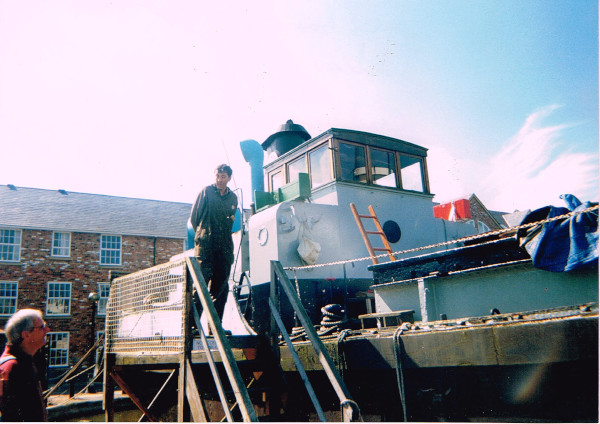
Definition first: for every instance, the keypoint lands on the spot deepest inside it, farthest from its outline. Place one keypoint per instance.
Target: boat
(445, 324)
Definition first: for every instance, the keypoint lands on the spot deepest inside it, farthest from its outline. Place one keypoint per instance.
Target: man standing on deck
(212, 219)
(20, 389)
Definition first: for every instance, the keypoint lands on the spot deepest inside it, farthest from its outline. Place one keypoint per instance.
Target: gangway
(155, 339)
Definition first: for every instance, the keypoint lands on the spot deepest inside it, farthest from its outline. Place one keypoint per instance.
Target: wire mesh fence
(145, 311)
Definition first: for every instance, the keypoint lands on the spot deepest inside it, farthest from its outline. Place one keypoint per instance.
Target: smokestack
(290, 135)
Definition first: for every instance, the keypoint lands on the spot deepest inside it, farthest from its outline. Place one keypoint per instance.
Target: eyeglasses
(39, 326)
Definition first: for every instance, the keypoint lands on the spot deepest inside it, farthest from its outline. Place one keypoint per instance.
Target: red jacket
(21, 391)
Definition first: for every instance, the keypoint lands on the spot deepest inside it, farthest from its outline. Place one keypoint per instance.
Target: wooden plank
(191, 390)
(517, 343)
(548, 341)
(137, 401)
(181, 386)
(108, 401)
(187, 348)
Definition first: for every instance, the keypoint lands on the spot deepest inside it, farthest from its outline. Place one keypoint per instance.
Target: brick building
(58, 247)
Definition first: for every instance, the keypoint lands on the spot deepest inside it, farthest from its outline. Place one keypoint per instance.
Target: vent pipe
(254, 155)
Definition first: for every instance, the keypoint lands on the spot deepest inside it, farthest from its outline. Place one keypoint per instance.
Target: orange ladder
(365, 234)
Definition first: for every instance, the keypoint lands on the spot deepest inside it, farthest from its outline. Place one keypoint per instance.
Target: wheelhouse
(354, 157)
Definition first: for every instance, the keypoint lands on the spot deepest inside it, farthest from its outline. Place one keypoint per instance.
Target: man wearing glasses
(20, 388)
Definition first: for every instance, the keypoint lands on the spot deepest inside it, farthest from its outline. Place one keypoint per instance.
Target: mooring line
(447, 243)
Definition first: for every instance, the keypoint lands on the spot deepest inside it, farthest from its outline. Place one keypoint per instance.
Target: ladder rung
(367, 216)
(379, 233)
(382, 249)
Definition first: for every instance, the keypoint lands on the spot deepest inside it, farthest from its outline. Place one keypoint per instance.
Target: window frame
(15, 298)
(110, 249)
(339, 162)
(331, 169)
(53, 350)
(276, 173)
(422, 171)
(395, 161)
(58, 298)
(398, 154)
(102, 287)
(53, 247)
(290, 166)
(16, 246)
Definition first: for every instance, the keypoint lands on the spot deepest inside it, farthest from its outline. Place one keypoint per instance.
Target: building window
(10, 245)
(411, 173)
(58, 349)
(8, 297)
(383, 168)
(110, 250)
(61, 245)
(296, 167)
(59, 299)
(103, 291)
(353, 164)
(320, 166)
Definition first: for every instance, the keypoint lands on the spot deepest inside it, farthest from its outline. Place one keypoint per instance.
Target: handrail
(229, 363)
(350, 411)
(212, 365)
(301, 371)
(74, 368)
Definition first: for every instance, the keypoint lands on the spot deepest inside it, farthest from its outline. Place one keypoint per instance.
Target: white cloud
(531, 170)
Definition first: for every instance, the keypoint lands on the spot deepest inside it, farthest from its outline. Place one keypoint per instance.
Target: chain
(447, 243)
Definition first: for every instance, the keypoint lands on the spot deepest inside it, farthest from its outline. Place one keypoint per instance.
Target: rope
(399, 369)
(447, 243)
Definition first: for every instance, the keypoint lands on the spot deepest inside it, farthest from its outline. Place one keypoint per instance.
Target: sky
(144, 98)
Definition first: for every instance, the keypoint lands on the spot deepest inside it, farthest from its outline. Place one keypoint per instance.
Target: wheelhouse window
(296, 167)
(353, 164)
(276, 180)
(411, 172)
(59, 299)
(320, 166)
(103, 291)
(383, 168)
(110, 250)
(58, 349)
(8, 297)
(61, 245)
(10, 245)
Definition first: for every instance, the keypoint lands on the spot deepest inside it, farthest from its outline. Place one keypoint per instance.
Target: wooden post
(187, 348)
(109, 388)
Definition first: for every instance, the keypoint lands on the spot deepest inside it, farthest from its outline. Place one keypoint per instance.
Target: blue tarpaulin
(566, 244)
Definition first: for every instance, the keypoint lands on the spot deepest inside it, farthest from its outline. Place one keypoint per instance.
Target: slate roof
(59, 210)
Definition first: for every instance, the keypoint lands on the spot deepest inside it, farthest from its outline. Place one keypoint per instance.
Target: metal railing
(279, 279)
